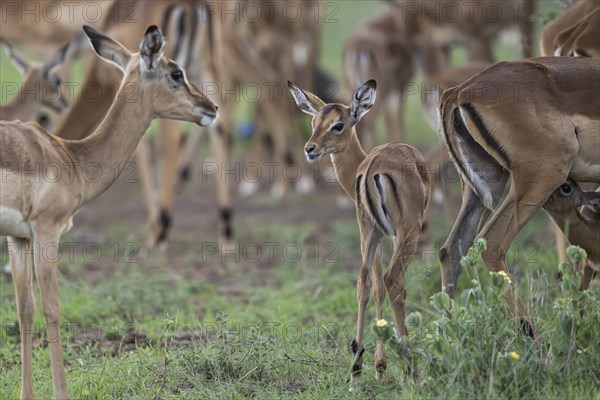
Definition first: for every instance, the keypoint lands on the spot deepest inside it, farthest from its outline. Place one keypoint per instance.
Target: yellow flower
(514, 355)
(381, 323)
(505, 276)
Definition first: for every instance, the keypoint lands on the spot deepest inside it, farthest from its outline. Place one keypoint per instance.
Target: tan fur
(564, 23)
(37, 89)
(581, 228)
(290, 51)
(46, 206)
(532, 121)
(570, 31)
(382, 50)
(43, 28)
(583, 38)
(439, 164)
(369, 180)
(205, 64)
(472, 26)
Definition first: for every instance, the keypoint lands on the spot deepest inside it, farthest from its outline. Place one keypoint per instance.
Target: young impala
(390, 187)
(35, 212)
(582, 228)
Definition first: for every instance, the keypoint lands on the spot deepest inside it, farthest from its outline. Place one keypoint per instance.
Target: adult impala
(34, 213)
(439, 164)
(541, 127)
(390, 188)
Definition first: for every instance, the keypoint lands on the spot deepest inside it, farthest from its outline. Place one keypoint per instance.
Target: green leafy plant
(473, 345)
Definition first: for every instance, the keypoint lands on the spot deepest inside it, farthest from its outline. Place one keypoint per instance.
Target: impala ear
(363, 100)
(56, 61)
(152, 47)
(17, 59)
(306, 101)
(107, 48)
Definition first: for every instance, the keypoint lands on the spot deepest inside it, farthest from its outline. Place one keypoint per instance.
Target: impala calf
(390, 188)
(582, 228)
(41, 86)
(565, 24)
(582, 39)
(34, 213)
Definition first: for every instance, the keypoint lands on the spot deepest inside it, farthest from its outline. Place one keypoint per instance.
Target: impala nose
(309, 149)
(207, 119)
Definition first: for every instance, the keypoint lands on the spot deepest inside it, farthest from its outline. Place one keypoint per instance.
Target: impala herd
(539, 131)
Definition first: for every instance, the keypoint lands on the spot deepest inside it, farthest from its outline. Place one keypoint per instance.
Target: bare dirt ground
(117, 219)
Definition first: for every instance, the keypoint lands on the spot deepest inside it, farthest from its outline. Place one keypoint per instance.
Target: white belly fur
(12, 223)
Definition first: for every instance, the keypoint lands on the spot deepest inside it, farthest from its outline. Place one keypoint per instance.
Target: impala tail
(460, 125)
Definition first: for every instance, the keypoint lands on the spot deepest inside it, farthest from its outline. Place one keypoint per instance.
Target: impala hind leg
(395, 282)
(220, 134)
(464, 230)
(169, 145)
(189, 152)
(522, 202)
(369, 241)
(21, 262)
(394, 116)
(147, 179)
(472, 212)
(379, 298)
(281, 142)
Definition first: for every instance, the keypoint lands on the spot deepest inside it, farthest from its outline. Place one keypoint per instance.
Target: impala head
(159, 81)
(569, 196)
(41, 81)
(333, 124)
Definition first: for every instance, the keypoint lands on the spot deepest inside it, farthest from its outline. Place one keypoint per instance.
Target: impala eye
(177, 75)
(338, 127)
(566, 189)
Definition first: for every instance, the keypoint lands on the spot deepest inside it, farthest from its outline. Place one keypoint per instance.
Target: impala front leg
(46, 273)
(521, 203)
(21, 263)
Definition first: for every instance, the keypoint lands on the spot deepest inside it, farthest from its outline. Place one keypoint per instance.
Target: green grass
(281, 330)
(290, 340)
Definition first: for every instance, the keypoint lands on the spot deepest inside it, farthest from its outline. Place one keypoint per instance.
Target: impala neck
(103, 155)
(346, 164)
